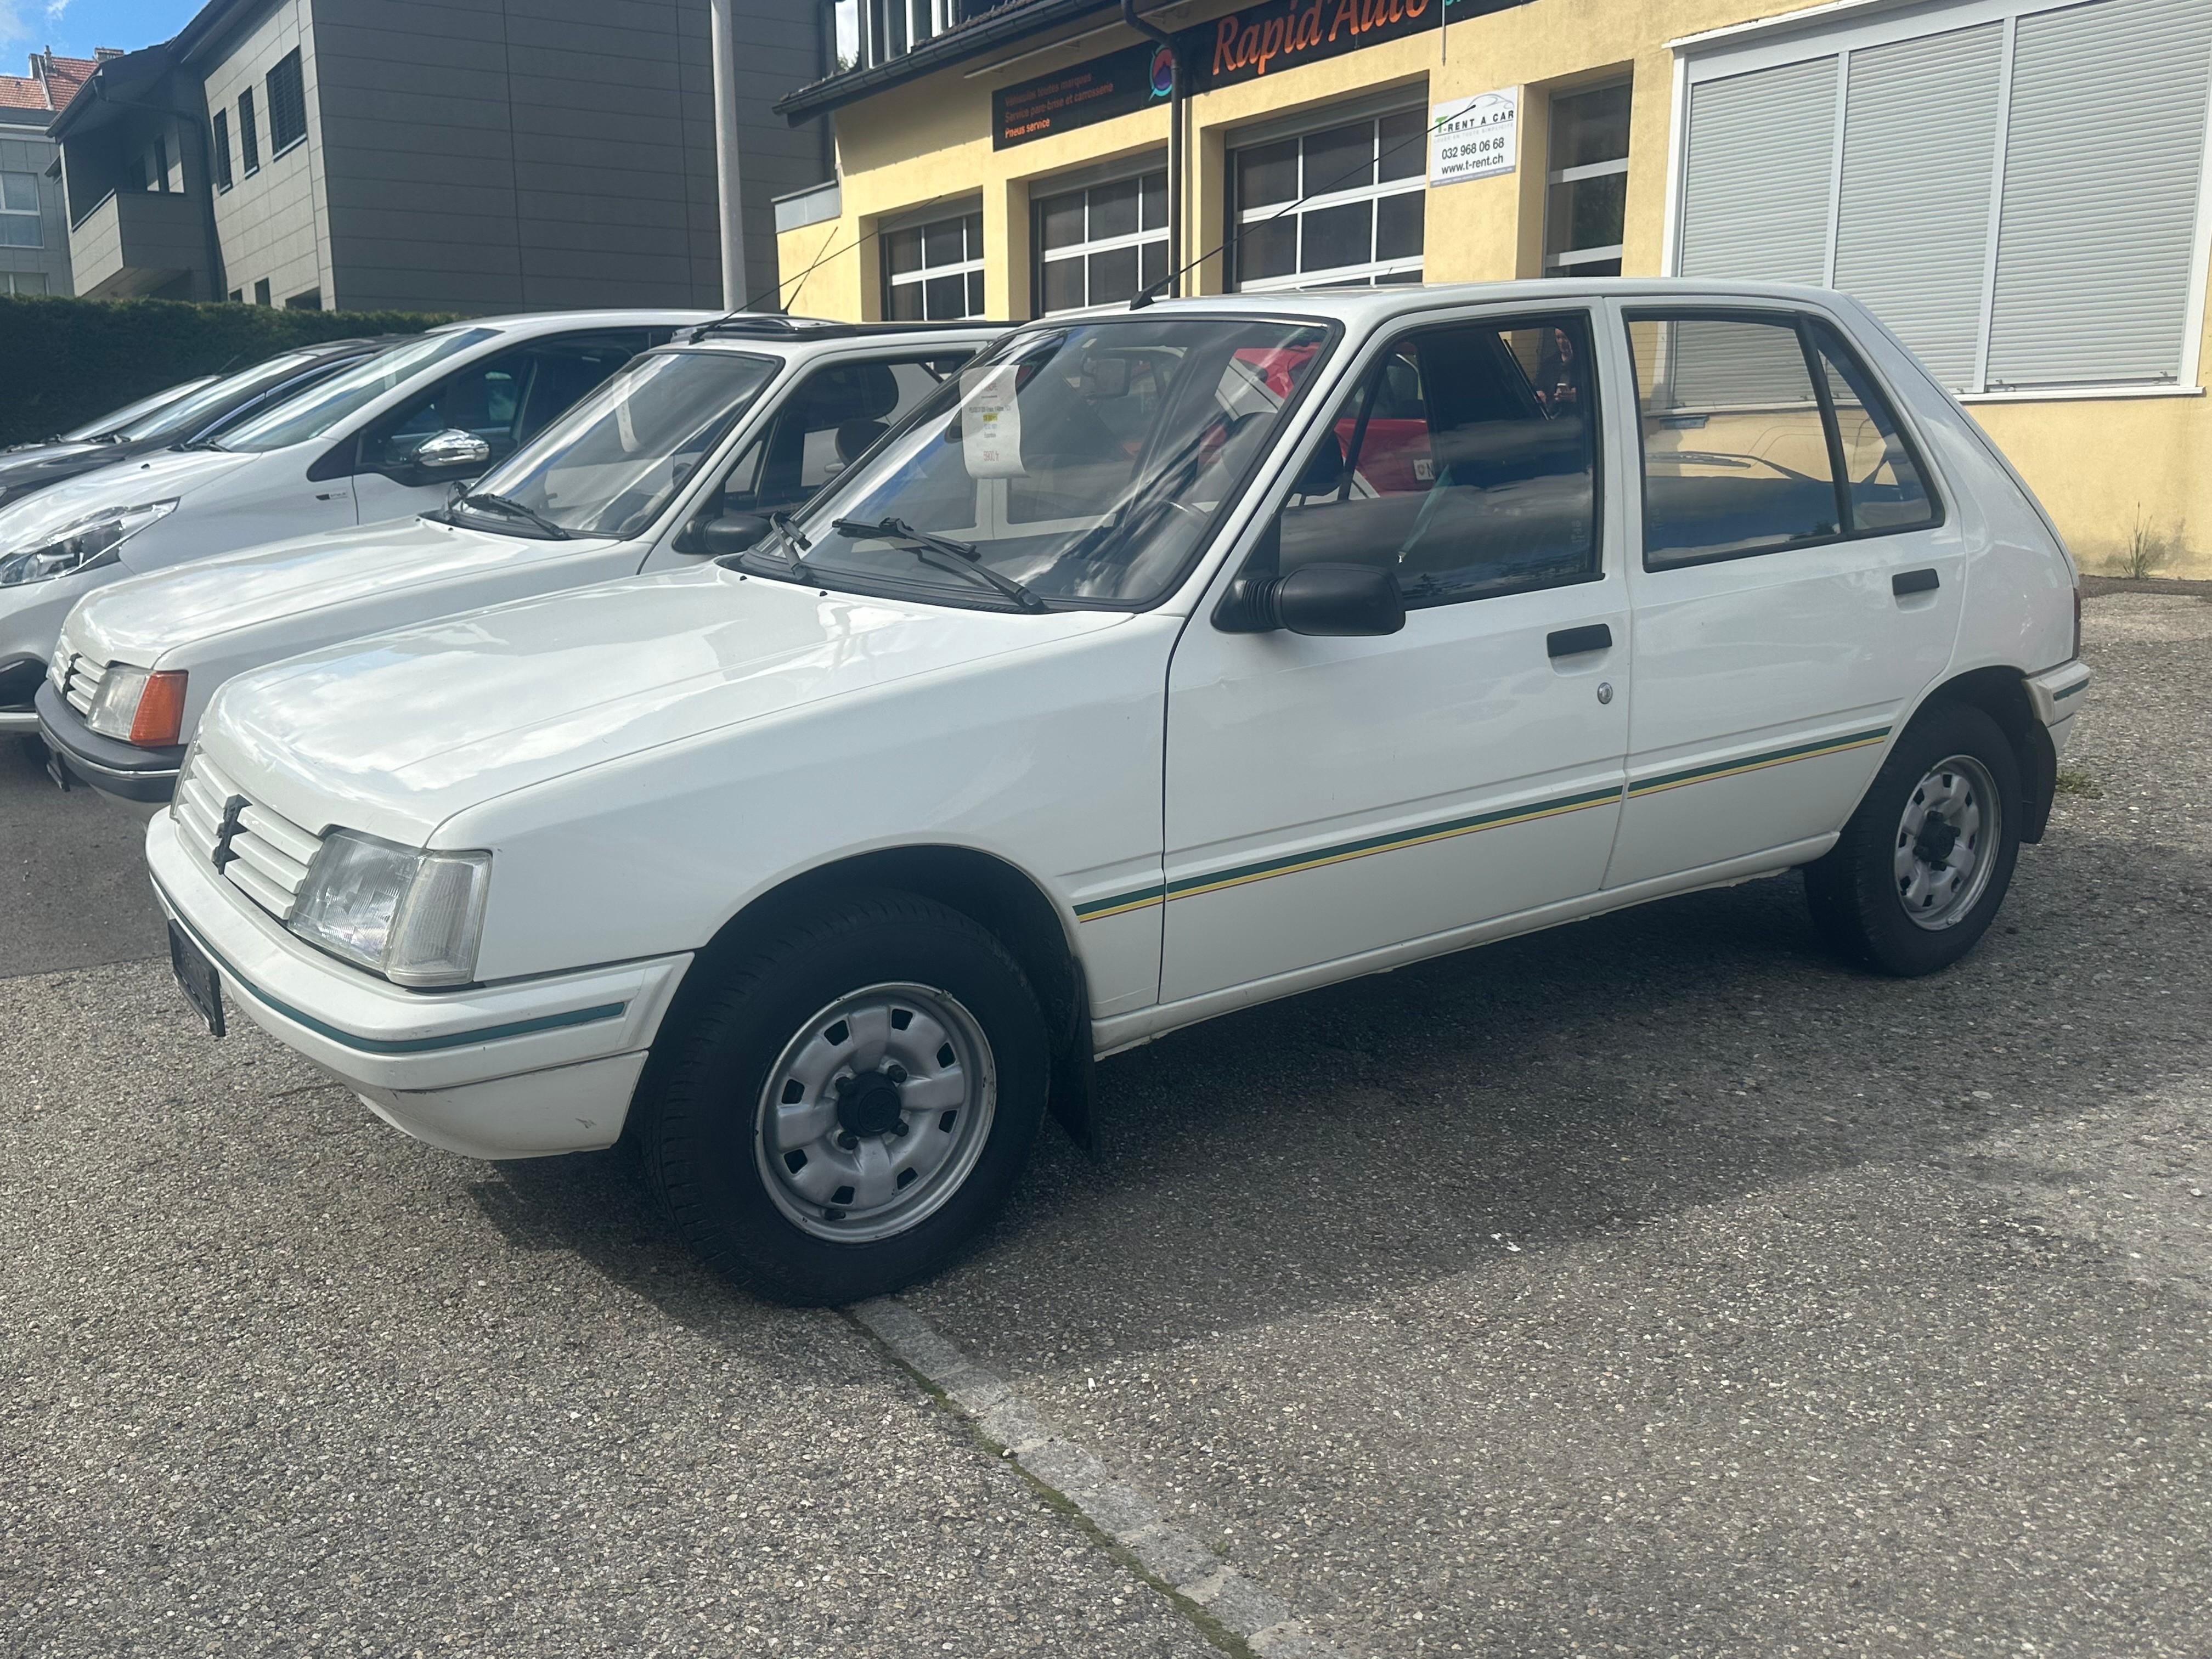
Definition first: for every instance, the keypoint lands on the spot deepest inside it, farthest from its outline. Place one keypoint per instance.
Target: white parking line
(1170, 1557)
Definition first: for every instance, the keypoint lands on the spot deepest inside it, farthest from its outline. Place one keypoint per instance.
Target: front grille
(76, 677)
(262, 853)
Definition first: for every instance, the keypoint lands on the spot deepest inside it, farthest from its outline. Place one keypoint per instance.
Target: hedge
(64, 362)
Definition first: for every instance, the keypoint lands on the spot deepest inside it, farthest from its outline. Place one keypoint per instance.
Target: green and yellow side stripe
(1758, 763)
(1143, 898)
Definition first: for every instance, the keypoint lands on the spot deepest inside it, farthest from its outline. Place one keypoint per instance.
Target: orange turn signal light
(161, 714)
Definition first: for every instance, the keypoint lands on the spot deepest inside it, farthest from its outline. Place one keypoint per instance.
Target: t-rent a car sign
(1472, 138)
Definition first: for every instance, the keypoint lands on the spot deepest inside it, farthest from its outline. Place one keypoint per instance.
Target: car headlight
(138, 705)
(86, 545)
(414, 916)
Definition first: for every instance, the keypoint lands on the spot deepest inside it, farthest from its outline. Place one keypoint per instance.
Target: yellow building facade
(2045, 252)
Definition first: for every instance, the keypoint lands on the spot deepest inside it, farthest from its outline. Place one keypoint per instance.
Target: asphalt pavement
(1650, 1287)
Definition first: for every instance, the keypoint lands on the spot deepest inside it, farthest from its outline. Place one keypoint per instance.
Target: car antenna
(1151, 290)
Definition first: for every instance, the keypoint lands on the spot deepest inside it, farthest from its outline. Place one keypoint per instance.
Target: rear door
(1798, 585)
(1328, 798)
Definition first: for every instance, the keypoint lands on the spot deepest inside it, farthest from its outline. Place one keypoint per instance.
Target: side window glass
(1466, 461)
(1735, 453)
(830, 419)
(1883, 485)
(506, 400)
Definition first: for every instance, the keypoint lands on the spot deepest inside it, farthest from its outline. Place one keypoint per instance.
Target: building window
(288, 105)
(23, 281)
(237, 296)
(934, 272)
(1921, 170)
(1099, 246)
(1360, 190)
(19, 211)
(311, 301)
(160, 167)
(222, 180)
(261, 292)
(1588, 182)
(891, 28)
(249, 134)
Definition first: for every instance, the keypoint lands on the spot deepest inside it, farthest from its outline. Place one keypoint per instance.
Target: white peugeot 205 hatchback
(1163, 662)
(756, 412)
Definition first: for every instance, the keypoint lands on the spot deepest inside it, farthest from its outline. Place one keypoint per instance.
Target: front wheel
(848, 1103)
(1917, 875)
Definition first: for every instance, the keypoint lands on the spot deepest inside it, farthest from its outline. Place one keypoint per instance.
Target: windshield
(1086, 462)
(189, 413)
(116, 419)
(608, 465)
(313, 412)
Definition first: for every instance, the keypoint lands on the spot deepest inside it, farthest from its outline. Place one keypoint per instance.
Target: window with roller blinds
(2016, 198)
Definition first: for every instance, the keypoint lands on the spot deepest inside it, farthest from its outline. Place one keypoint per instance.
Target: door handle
(1572, 641)
(1914, 581)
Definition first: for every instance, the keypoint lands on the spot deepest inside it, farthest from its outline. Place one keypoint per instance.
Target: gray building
(34, 250)
(464, 155)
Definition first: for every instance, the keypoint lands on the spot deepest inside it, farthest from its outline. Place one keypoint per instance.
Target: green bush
(64, 362)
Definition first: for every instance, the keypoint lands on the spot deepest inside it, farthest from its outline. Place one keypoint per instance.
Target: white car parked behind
(674, 457)
(383, 440)
(1165, 662)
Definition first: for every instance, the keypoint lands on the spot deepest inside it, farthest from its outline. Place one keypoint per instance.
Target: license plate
(196, 975)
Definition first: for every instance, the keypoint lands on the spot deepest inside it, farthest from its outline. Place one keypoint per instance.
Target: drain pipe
(1153, 30)
(724, 48)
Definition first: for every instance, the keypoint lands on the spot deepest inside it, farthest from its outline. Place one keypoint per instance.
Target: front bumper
(146, 776)
(526, 1068)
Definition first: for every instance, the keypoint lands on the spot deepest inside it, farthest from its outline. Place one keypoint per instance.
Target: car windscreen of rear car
(1087, 461)
(607, 467)
(136, 409)
(313, 413)
(182, 418)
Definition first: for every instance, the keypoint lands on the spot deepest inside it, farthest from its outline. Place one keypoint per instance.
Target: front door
(507, 399)
(1328, 798)
(1798, 586)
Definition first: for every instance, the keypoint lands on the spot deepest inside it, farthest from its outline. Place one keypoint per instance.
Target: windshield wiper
(968, 562)
(515, 509)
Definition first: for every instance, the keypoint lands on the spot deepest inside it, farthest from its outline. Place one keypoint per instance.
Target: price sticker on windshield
(991, 423)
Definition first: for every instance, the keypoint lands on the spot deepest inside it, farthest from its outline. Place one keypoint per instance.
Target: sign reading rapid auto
(1262, 39)
(1248, 43)
(1119, 83)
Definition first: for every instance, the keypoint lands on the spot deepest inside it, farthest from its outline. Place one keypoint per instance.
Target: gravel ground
(72, 877)
(1648, 1287)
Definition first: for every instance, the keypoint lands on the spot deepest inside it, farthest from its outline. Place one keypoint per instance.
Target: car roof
(1371, 305)
(557, 322)
(805, 341)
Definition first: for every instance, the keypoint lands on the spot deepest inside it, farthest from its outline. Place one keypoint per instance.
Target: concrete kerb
(1238, 1614)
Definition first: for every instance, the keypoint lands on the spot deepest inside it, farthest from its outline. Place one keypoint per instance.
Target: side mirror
(450, 451)
(1329, 601)
(733, 532)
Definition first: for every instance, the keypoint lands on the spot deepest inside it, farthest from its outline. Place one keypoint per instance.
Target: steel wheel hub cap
(1946, 841)
(875, 1113)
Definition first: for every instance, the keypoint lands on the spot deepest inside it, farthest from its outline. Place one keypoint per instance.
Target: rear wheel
(1920, 870)
(848, 1103)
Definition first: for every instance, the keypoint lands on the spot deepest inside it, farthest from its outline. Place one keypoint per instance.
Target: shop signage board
(1250, 42)
(1119, 83)
(1474, 137)
(1265, 40)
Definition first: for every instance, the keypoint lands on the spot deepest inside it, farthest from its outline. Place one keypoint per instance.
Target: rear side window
(1762, 434)
(1465, 460)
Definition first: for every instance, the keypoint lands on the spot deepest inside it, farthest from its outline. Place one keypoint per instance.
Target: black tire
(1855, 890)
(698, 1120)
